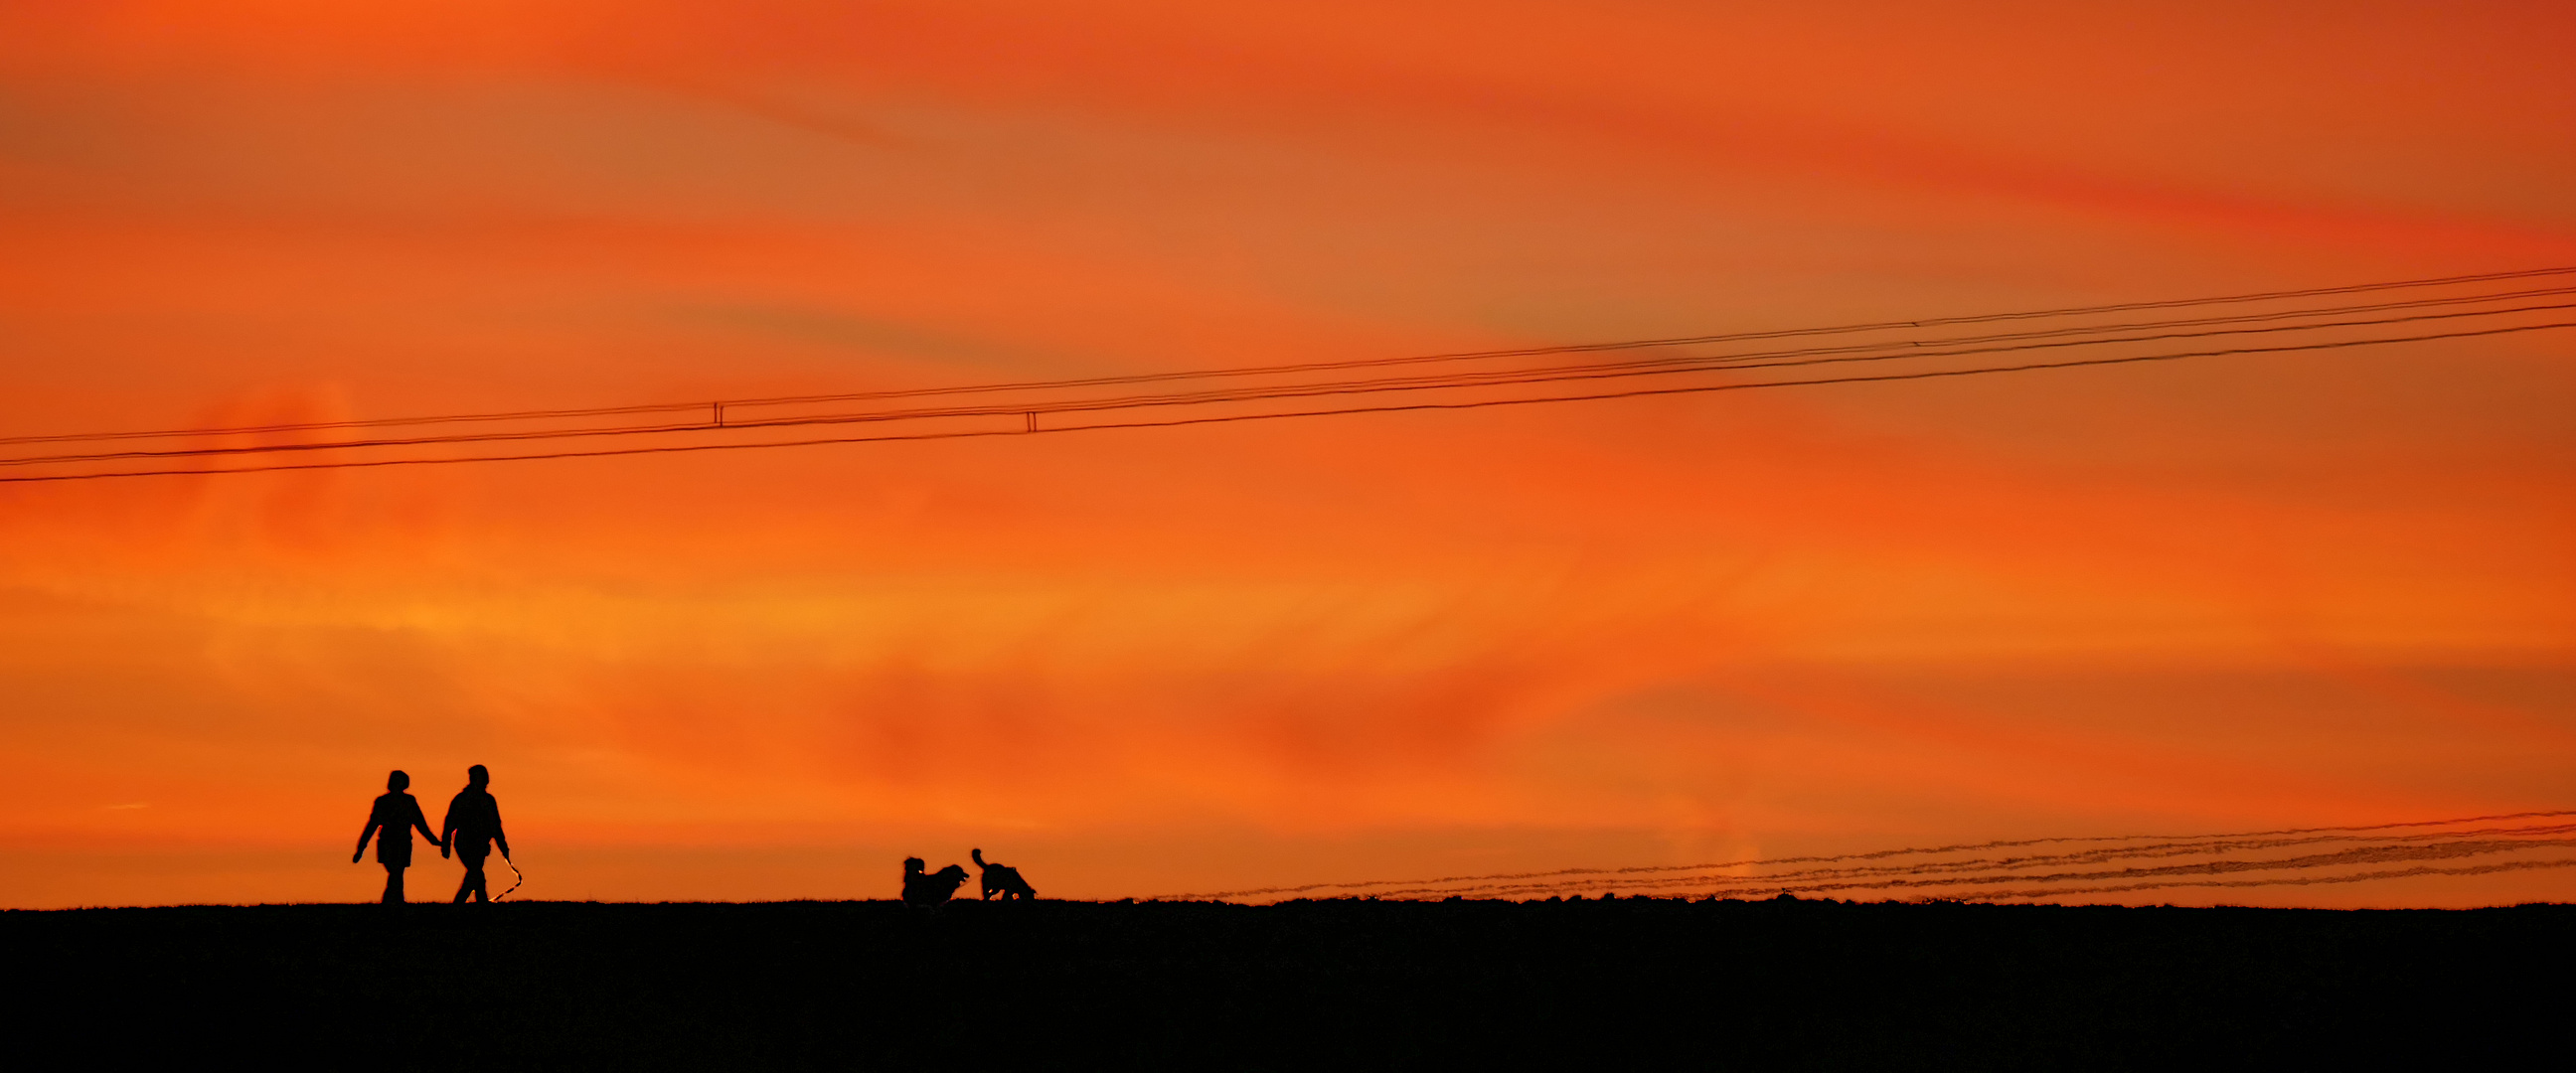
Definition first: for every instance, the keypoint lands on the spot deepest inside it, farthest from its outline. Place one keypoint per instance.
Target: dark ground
(1309, 985)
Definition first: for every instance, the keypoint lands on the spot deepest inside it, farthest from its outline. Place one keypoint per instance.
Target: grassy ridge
(1302, 985)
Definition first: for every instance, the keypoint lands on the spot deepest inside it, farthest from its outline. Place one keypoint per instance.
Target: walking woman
(396, 813)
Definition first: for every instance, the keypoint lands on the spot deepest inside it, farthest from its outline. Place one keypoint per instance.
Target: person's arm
(422, 822)
(363, 836)
(447, 828)
(497, 835)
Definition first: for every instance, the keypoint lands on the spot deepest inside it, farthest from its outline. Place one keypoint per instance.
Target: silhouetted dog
(1001, 879)
(929, 891)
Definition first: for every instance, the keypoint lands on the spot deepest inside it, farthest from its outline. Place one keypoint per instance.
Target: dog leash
(514, 870)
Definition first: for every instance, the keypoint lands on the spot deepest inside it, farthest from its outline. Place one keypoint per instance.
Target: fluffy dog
(929, 891)
(1002, 879)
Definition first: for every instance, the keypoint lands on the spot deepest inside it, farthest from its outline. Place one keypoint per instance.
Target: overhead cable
(1572, 348)
(1045, 406)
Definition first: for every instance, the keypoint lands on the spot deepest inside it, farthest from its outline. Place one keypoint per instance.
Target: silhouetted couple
(473, 826)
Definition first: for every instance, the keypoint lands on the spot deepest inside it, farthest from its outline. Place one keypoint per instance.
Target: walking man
(396, 813)
(473, 825)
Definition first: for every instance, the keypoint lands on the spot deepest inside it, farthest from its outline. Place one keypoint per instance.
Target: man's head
(477, 777)
(397, 782)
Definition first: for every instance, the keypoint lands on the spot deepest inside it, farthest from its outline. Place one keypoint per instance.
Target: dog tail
(979, 857)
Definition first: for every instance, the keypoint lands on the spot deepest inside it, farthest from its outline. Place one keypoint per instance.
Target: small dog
(929, 891)
(1002, 879)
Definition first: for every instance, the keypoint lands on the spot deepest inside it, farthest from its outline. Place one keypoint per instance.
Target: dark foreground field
(1307, 985)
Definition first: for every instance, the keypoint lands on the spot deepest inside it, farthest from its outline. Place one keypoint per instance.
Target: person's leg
(393, 883)
(472, 888)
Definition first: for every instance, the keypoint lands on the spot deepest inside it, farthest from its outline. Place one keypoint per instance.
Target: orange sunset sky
(2282, 590)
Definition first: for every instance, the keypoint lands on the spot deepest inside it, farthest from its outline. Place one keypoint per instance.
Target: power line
(1338, 411)
(2219, 858)
(1642, 367)
(2130, 862)
(1912, 350)
(716, 405)
(1963, 847)
(1984, 887)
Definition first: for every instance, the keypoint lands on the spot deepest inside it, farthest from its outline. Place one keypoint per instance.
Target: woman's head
(397, 782)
